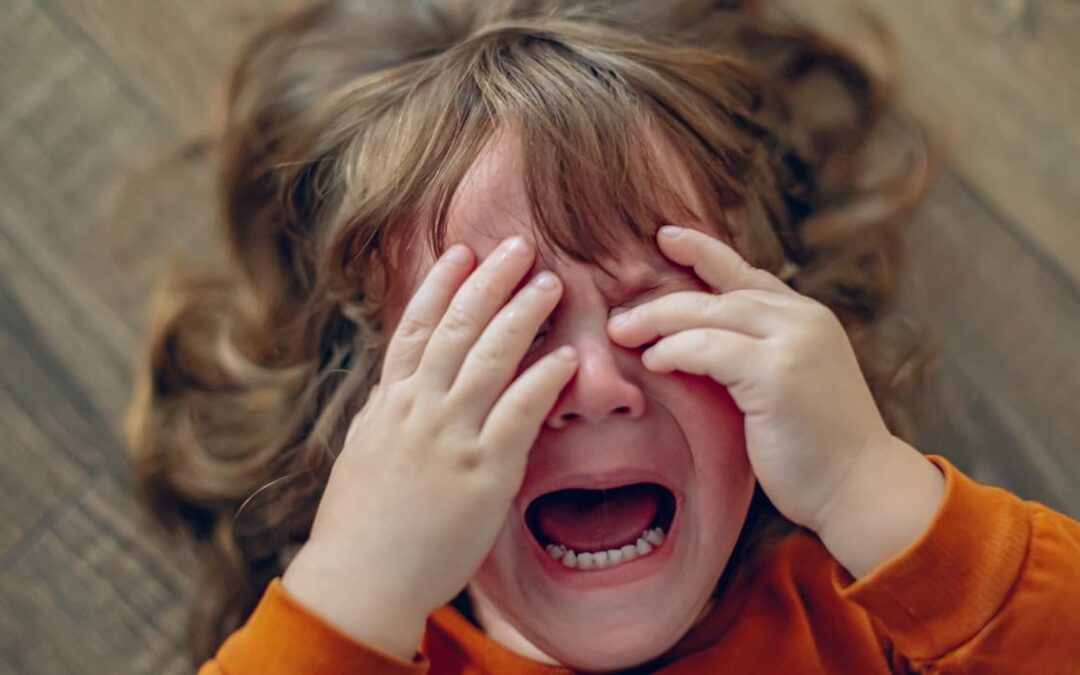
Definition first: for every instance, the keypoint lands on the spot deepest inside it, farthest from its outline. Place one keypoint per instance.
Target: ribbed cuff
(281, 636)
(941, 591)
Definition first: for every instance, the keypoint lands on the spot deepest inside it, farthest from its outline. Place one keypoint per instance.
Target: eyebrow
(656, 270)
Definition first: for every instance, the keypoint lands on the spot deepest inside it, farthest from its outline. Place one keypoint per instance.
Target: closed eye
(642, 297)
(542, 333)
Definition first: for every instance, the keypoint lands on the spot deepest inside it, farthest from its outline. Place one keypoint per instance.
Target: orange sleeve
(993, 585)
(283, 638)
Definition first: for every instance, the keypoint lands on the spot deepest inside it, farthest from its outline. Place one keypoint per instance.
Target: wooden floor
(91, 88)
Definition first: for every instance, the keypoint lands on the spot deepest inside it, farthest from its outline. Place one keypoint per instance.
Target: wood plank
(71, 316)
(171, 53)
(95, 87)
(1039, 38)
(1008, 327)
(96, 594)
(1010, 105)
(35, 479)
(51, 435)
(63, 141)
(958, 422)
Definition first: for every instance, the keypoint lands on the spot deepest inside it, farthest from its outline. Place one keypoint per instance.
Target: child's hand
(431, 464)
(810, 418)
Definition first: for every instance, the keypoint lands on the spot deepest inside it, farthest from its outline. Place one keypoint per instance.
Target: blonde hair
(347, 128)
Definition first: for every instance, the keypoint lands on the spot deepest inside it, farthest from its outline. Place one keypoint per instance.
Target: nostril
(623, 409)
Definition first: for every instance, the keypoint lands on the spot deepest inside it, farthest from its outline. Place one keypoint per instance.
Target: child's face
(615, 424)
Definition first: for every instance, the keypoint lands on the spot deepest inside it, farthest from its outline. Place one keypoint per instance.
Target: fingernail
(545, 280)
(457, 254)
(670, 231)
(566, 352)
(517, 245)
(620, 319)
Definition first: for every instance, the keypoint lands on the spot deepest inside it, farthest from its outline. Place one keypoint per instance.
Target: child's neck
(491, 623)
(501, 631)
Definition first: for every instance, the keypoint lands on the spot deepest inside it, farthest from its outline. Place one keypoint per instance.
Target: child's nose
(599, 389)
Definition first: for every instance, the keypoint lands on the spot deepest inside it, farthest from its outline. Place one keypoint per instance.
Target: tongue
(597, 520)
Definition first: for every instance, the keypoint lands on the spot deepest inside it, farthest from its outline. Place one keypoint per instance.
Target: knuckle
(511, 321)
(489, 353)
(399, 399)
(393, 391)
(412, 327)
(485, 286)
(787, 365)
(457, 320)
(469, 456)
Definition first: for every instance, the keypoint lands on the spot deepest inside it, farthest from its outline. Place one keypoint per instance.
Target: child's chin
(610, 618)
(599, 620)
(599, 646)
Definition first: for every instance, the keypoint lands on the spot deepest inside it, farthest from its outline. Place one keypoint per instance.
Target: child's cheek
(713, 427)
(709, 418)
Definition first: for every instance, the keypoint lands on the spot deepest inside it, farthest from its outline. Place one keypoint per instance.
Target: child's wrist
(887, 503)
(387, 624)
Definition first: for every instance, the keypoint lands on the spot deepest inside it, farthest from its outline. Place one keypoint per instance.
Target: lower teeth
(646, 543)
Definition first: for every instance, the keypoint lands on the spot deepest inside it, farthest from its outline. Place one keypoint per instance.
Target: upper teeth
(648, 540)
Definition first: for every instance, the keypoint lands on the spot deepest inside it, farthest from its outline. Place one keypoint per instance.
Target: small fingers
(727, 357)
(492, 362)
(716, 263)
(736, 311)
(423, 311)
(473, 306)
(515, 420)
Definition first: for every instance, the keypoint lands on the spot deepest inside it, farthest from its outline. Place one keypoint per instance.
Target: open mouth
(593, 529)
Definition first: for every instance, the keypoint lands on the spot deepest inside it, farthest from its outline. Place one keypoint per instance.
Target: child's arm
(426, 477)
(992, 585)
(887, 502)
(283, 637)
(432, 463)
(814, 436)
(824, 456)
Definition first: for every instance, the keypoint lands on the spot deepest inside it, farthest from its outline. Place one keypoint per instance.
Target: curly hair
(347, 127)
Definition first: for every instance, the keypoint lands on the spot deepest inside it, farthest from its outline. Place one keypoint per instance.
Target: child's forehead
(639, 265)
(491, 203)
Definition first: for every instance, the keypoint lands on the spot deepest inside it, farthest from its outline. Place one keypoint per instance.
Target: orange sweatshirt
(993, 586)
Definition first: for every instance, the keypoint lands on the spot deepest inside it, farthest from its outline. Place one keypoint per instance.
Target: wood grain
(1010, 369)
(91, 91)
(999, 79)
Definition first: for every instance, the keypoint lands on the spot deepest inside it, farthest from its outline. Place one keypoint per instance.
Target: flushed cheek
(718, 487)
(711, 422)
(713, 426)
(596, 630)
